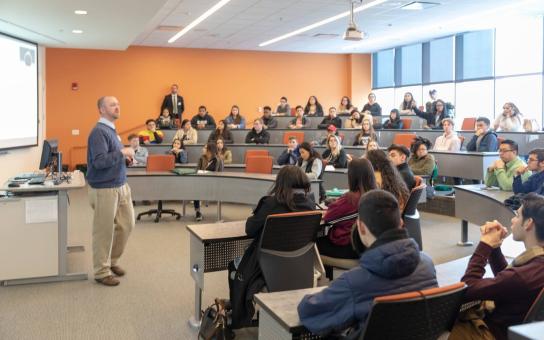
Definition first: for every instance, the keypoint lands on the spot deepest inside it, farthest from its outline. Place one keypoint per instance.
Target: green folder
(336, 192)
(184, 171)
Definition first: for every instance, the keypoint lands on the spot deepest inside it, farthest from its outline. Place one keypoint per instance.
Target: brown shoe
(108, 281)
(117, 270)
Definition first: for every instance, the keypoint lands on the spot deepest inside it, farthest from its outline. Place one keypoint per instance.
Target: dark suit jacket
(167, 103)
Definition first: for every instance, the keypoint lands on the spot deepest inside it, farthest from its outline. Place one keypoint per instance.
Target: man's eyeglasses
(505, 151)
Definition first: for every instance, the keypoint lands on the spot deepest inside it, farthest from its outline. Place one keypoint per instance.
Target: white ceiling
(244, 24)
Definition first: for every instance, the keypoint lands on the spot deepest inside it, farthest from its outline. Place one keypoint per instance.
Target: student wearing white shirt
(449, 141)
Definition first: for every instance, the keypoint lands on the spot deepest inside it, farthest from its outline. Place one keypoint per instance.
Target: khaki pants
(113, 220)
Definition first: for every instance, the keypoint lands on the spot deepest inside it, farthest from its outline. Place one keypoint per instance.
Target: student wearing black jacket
(335, 155)
(223, 132)
(202, 120)
(331, 119)
(399, 154)
(434, 119)
(258, 135)
(484, 139)
(394, 121)
(313, 108)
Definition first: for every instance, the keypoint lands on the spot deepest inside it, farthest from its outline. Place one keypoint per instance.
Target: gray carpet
(155, 298)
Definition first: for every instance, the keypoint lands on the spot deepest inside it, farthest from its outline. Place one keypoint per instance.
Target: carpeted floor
(155, 299)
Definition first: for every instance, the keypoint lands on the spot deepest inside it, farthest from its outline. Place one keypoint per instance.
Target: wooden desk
(61, 192)
(233, 187)
(475, 204)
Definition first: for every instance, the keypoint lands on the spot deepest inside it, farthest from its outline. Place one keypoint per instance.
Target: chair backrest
(405, 139)
(160, 163)
(250, 153)
(469, 124)
(259, 164)
(299, 135)
(413, 200)
(536, 312)
(286, 250)
(406, 123)
(462, 139)
(424, 314)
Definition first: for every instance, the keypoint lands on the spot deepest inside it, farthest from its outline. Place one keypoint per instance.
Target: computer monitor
(49, 153)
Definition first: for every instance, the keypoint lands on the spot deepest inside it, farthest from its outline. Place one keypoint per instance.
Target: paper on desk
(41, 210)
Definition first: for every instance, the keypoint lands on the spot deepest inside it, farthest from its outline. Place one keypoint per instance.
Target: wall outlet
(75, 132)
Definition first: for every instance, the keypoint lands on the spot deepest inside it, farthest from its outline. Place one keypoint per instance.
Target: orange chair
(259, 164)
(406, 124)
(405, 139)
(250, 153)
(299, 135)
(160, 163)
(469, 124)
(293, 111)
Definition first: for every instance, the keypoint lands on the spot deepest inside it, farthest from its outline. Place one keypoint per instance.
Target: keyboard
(29, 175)
(37, 180)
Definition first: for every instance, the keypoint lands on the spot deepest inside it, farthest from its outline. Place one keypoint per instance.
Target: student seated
(335, 155)
(234, 120)
(449, 141)
(310, 162)
(290, 155)
(373, 145)
(140, 153)
(394, 121)
(355, 121)
(514, 288)
(202, 120)
(399, 154)
(269, 122)
(511, 120)
(366, 135)
(165, 120)
(209, 161)
(422, 162)
(392, 264)
(342, 213)
(178, 150)
(223, 152)
(407, 105)
(331, 119)
(290, 193)
(151, 135)
(484, 139)
(372, 106)
(535, 183)
(186, 133)
(299, 122)
(433, 119)
(345, 108)
(258, 135)
(313, 108)
(283, 108)
(388, 177)
(221, 131)
(501, 173)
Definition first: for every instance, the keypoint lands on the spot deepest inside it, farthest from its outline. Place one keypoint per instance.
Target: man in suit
(173, 102)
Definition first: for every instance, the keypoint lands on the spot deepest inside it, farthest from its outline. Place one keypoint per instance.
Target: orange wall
(140, 77)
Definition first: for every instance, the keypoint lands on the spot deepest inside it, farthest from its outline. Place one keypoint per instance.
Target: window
(446, 92)
(473, 99)
(524, 91)
(386, 99)
(383, 63)
(475, 58)
(441, 53)
(411, 64)
(519, 47)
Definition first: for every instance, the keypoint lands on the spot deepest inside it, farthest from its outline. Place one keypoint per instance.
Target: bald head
(109, 107)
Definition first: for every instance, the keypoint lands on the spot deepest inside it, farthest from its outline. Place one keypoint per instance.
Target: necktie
(175, 102)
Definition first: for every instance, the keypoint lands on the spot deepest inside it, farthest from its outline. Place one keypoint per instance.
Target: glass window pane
(411, 61)
(445, 91)
(384, 68)
(416, 91)
(386, 99)
(473, 99)
(478, 54)
(441, 60)
(519, 46)
(525, 92)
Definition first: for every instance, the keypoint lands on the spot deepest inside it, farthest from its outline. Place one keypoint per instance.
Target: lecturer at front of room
(109, 193)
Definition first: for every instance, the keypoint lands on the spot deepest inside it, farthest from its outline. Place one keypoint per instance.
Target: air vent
(325, 36)
(166, 28)
(419, 5)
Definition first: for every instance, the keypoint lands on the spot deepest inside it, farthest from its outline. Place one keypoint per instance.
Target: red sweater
(347, 204)
(513, 289)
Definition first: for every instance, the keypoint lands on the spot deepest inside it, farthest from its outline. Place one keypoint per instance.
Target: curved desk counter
(232, 187)
(475, 204)
(464, 164)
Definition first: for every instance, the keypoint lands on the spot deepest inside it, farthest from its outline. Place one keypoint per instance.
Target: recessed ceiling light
(80, 12)
(77, 31)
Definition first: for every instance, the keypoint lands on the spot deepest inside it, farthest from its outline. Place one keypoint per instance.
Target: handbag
(213, 323)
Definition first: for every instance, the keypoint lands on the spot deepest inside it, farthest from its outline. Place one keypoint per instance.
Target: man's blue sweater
(106, 166)
(535, 183)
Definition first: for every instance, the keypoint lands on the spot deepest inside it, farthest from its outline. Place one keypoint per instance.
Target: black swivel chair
(410, 215)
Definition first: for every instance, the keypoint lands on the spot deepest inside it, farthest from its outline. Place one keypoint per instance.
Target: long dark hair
(348, 105)
(318, 107)
(361, 178)
(397, 113)
(308, 147)
(223, 134)
(225, 149)
(418, 141)
(181, 142)
(238, 118)
(405, 105)
(443, 107)
(391, 179)
(289, 179)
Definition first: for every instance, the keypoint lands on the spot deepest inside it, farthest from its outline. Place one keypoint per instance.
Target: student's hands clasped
(493, 233)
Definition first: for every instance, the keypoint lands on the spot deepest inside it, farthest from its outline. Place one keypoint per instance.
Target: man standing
(173, 102)
(109, 193)
(502, 172)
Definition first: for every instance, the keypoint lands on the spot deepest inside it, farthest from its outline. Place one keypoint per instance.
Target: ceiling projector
(352, 33)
